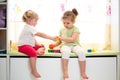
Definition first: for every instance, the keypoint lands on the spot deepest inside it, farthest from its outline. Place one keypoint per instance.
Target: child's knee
(81, 56)
(80, 52)
(65, 51)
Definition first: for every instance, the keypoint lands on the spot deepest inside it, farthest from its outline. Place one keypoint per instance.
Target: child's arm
(43, 35)
(70, 39)
(57, 43)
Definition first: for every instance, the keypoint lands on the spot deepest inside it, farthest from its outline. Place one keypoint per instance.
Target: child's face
(33, 22)
(68, 23)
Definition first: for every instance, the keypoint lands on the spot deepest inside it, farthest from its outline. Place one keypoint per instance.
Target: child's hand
(54, 38)
(60, 38)
(57, 42)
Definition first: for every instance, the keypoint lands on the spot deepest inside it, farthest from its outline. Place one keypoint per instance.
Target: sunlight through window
(91, 19)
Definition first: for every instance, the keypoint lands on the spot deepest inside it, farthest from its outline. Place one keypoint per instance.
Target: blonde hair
(29, 15)
(71, 15)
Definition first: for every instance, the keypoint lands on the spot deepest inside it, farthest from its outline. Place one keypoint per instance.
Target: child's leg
(82, 65)
(33, 67)
(65, 50)
(82, 60)
(30, 51)
(65, 67)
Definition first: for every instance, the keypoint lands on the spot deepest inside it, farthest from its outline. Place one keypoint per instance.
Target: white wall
(115, 27)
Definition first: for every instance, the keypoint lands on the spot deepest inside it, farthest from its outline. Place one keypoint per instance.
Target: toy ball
(93, 50)
(89, 50)
(51, 46)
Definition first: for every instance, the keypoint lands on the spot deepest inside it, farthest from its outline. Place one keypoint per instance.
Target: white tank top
(27, 36)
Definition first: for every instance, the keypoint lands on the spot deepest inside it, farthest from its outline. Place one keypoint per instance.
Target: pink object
(56, 51)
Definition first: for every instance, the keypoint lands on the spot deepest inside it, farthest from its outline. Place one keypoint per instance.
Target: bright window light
(91, 19)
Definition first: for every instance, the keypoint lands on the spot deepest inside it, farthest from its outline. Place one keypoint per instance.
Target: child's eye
(64, 23)
(68, 23)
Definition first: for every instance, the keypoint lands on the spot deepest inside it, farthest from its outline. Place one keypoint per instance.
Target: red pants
(29, 50)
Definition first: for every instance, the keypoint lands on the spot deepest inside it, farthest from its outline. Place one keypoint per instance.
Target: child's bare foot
(65, 75)
(41, 51)
(84, 76)
(36, 74)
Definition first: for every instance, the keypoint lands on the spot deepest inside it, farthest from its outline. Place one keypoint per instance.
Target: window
(92, 20)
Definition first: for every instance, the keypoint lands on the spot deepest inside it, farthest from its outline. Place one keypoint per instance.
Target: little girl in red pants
(27, 43)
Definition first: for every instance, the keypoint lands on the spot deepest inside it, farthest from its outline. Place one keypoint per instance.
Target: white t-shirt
(27, 36)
